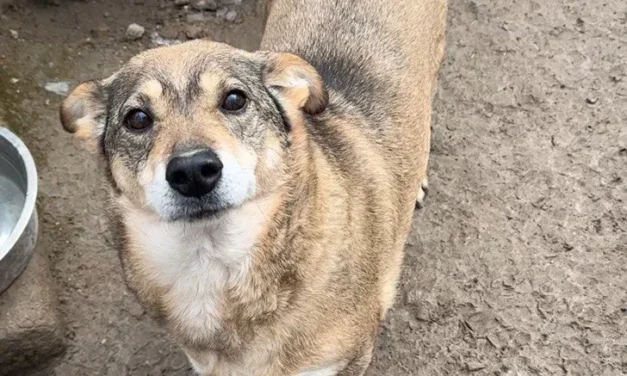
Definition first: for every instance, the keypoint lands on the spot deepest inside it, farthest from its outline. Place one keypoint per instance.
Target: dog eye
(234, 101)
(138, 120)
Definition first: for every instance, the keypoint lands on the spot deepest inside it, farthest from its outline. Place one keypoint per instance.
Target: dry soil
(518, 263)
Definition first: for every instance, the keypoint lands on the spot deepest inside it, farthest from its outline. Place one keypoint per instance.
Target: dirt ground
(518, 264)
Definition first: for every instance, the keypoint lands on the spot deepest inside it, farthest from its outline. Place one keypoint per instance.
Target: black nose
(194, 174)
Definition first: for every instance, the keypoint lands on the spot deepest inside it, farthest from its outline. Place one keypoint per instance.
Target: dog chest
(191, 265)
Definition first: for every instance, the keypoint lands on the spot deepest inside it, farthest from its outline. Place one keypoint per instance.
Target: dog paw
(423, 191)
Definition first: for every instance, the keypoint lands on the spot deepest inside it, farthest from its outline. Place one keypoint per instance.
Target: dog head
(191, 130)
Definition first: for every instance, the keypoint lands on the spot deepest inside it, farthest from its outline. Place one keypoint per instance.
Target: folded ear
(297, 82)
(83, 112)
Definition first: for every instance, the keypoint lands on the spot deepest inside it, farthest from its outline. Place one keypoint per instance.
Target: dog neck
(209, 280)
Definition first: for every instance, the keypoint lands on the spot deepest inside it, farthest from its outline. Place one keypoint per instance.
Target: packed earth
(516, 266)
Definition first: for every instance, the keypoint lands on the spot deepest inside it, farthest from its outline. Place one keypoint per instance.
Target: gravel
(517, 264)
(58, 87)
(221, 13)
(231, 15)
(135, 31)
(205, 5)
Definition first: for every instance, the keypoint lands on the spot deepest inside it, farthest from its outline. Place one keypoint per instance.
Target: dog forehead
(194, 56)
(182, 68)
(184, 53)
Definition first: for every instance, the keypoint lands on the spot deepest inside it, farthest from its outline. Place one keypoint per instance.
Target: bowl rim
(31, 191)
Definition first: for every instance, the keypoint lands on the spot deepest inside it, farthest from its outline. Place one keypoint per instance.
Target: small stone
(47, 102)
(14, 80)
(202, 5)
(221, 13)
(592, 100)
(231, 15)
(106, 14)
(135, 31)
(14, 34)
(193, 32)
(158, 40)
(58, 87)
(196, 17)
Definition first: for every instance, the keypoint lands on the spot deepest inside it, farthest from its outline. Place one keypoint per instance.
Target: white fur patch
(194, 262)
(327, 371)
(158, 193)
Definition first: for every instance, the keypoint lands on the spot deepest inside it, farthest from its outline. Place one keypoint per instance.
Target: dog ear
(83, 112)
(295, 81)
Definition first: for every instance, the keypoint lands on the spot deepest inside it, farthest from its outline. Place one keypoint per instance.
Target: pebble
(158, 40)
(231, 15)
(592, 100)
(221, 13)
(14, 34)
(196, 17)
(58, 87)
(14, 80)
(209, 5)
(135, 31)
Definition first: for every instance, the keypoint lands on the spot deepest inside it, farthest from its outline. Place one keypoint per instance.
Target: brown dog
(264, 198)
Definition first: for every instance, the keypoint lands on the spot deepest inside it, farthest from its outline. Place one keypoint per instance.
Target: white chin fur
(236, 186)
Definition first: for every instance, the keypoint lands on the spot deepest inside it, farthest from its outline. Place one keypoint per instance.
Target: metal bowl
(18, 215)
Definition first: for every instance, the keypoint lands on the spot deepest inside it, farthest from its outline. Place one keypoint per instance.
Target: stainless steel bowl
(18, 215)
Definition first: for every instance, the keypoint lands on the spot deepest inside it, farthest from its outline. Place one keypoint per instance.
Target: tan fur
(79, 111)
(295, 279)
(305, 89)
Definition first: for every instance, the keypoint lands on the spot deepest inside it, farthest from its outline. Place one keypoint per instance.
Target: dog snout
(194, 174)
